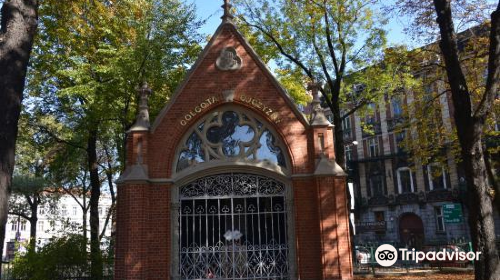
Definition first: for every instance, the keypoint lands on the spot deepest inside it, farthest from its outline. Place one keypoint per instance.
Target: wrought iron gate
(233, 226)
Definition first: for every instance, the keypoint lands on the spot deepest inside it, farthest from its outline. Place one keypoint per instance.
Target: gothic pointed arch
(231, 134)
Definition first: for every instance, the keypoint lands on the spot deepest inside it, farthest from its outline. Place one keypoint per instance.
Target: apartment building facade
(64, 218)
(397, 200)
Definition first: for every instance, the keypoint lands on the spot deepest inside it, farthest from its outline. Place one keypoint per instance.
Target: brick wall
(143, 248)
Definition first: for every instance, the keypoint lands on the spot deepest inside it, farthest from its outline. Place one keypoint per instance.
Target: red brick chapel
(231, 181)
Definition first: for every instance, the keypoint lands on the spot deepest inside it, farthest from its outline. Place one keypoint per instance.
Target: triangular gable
(255, 58)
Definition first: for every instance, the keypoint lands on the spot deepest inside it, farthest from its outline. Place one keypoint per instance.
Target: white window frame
(429, 175)
(373, 142)
(438, 213)
(346, 127)
(400, 186)
(346, 124)
(75, 211)
(348, 152)
(23, 226)
(40, 225)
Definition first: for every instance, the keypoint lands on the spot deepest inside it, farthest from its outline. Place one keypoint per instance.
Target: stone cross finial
(144, 92)
(317, 115)
(142, 120)
(227, 16)
(314, 88)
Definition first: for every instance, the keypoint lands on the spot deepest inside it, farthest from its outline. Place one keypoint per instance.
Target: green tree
(18, 23)
(88, 60)
(473, 101)
(30, 187)
(62, 257)
(327, 41)
(28, 195)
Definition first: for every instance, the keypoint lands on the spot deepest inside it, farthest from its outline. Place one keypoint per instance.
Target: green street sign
(452, 213)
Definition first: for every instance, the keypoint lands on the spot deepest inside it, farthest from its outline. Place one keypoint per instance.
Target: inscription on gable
(198, 109)
(257, 103)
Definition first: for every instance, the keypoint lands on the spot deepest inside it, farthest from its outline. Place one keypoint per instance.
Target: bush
(61, 257)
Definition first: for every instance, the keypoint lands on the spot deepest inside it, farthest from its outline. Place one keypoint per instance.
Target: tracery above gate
(230, 135)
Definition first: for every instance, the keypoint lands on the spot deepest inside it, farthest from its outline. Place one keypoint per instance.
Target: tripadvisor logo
(386, 255)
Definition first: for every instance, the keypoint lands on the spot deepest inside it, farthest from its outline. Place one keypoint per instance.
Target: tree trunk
(491, 176)
(95, 192)
(469, 124)
(481, 220)
(339, 137)
(18, 27)
(33, 221)
(84, 222)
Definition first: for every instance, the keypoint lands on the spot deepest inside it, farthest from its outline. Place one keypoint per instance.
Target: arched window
(405, 180)
(436, 175)
(225, 135)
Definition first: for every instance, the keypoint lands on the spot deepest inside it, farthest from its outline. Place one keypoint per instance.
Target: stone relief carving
(228, 60)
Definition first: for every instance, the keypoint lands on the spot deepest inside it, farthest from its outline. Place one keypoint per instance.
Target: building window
(14, 226)
(329, 117)
(373, 147)
(346, 127)
(400, 137)
(405, 180)
(41, 225)
(396, 107)
(439, 218)
(23, 225)
(436, 176)
(377, 185)
(74, 211)
(370, 118)
(64, 211)
(321, 142)
(348, 153)
(41, 211)
(379, 216)
(100, 210)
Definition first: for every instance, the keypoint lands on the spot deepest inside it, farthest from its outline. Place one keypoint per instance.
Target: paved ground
(419, 276)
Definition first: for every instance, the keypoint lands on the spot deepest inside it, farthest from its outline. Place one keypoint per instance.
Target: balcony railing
(410, 198)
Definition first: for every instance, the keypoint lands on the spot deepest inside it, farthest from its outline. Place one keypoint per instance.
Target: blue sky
(212, 11)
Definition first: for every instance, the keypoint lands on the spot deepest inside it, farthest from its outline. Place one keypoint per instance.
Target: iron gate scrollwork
(233, 226)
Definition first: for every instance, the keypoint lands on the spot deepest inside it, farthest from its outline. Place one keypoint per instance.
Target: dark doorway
(411, 231)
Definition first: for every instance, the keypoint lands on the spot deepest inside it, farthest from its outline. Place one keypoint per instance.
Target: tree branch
(20, 214)
(108, 215)
(493, 78)
(280, 48)
(329, 41)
